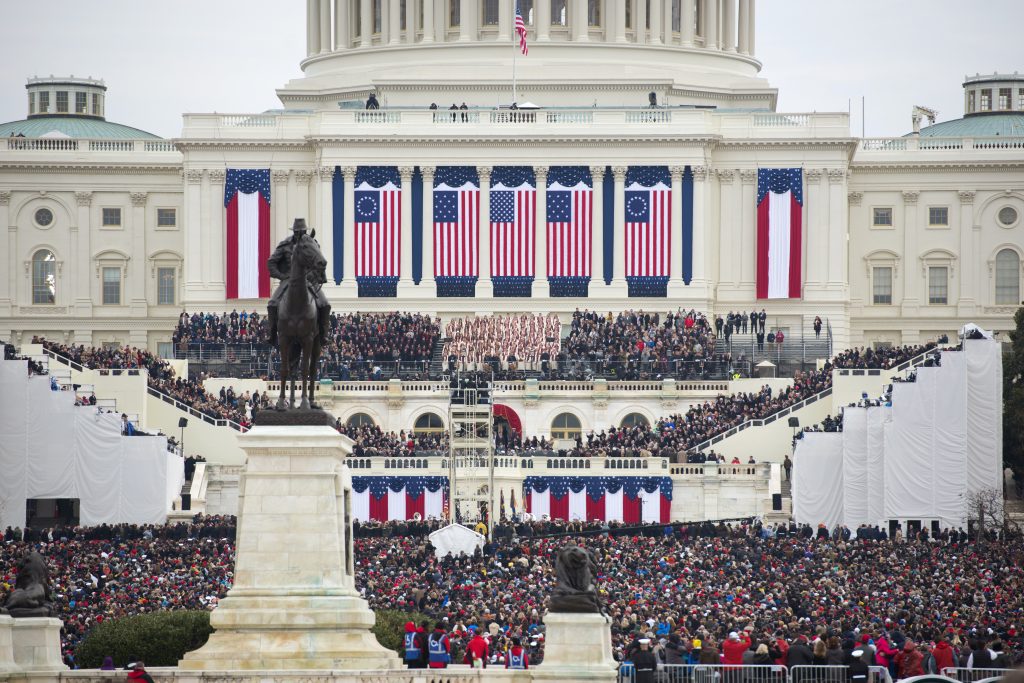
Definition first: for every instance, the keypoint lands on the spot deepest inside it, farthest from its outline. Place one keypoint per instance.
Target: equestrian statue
(299, 313)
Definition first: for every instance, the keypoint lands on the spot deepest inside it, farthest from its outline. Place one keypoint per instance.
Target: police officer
(439, 648)
(516, 657)
(279, 266)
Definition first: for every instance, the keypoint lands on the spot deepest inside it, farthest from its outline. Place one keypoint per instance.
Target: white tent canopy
(456, 539)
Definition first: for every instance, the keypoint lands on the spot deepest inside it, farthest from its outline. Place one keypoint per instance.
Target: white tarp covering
(855, 467)
(50, 448)
(456, 539)
(949, 446)
(818, 479)
(909, 472)
(984, 419)
(878, 421)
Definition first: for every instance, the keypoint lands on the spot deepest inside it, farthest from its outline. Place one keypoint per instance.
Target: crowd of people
(502, 341)
(686, 588)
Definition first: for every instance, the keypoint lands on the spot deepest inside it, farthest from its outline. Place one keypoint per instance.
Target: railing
(649, 116)
(780, 120)
(377, 116)
(973, 675)
(84, 145)
(751, 673)
(919, 143)
(209, 419)
(249, 121)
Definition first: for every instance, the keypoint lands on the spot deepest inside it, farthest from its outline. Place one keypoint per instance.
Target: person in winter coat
(909, 660)
(439, 648)
(781, 646)
(884, 652)
(413, 653)
(517, 657)
(476, 652)
(734, 647)
(138, 673)
(799, 653)
(819, 652)
(644, 662)
(857, 671)
(835, 655)
(944, 656)
(675, 651)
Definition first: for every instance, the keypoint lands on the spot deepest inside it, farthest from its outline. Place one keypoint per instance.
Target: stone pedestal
(35, 642)
(576, 647)
(294, 603)
(6, 645)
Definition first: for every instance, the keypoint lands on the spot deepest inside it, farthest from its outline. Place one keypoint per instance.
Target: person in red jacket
(516, 657)
(908, 662)
(476, 651)
(782, 646)
(945, 658)
(734, 647)
(884, 652)
(138, 673)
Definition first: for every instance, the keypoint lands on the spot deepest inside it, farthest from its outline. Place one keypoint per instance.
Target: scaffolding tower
(470, 453)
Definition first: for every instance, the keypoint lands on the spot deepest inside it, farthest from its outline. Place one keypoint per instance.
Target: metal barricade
(721, 673)
(878, 674)
(818, 674)
(973, 675)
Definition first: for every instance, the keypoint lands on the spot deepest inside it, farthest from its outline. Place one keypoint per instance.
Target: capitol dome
(69, 108)
(993, 106)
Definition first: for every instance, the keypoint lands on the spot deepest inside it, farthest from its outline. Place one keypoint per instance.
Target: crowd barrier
(757, 673)
(974, 675)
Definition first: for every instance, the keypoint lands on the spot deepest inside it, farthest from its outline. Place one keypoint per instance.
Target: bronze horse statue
(298, 327)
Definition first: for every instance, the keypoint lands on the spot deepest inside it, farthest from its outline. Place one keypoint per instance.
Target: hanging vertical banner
(377, 222)
(247, 203)
(687, 211)
(780, 201)
(648, 238)
(456, 230)
(417, 225)
(513, 221)
(631, 500)
(569, 234)
(338, 227)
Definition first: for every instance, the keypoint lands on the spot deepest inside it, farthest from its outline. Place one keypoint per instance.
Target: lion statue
(31, 596)
(575, 569)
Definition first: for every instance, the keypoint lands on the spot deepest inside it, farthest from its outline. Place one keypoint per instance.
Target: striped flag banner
(648, 207)
(570, 208)
(456, 221)
(380, 499)
(631, 500)
(780, 201)
(378, 221)
(247, 204)
(513, 221)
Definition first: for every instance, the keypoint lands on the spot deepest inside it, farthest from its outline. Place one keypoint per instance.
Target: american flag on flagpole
(521, 30)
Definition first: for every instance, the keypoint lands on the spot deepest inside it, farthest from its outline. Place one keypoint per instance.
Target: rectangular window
(166, 218)
(111, 286)
(490, 12)
(881, 216)
(357, 19)
(454, 13)
(970, 102)
(559, 12)
(1005, 98)
(96, 105)
(629, 14)
(165, 286)
(677, 11)
(44, 102)
(378, 15)
(31, 103)
(938, 285)
(401, 13)
(44, 280)
(62, 102)
(1020, 99)
(526, 9)
(165, 349)
(594, 13)
(986, 100)
(81, 103)
(111, 217)
(881, 286)
(938, 215)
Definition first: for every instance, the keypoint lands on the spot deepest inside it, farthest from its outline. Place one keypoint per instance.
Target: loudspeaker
(794, 422)
(182, 422)
(777, 501)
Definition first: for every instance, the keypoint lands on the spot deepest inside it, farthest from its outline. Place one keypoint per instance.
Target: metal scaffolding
(470, 454)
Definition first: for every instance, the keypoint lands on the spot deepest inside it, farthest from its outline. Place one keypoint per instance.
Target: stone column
(280, 225)
(395, 22)
(542, 19)
(619, 265)
(8, 291)
(312, 27)
(349, 281)
(913, 280)
(640, 22)
(816, 233)
(597, 229)
(748, 232)
(579, 20)
(686, 21)
(700, 225)
(405, 243)
(540, 240)
(342, 31)
(325, 26)
(729, 26)
(838, 246)
(966, 301)
(365, 23)
(428, 21)
(744, 37)
(505, 16)
(484, 286)
(666, 23)
(410, 21)
(137, 265)
(675, 265)
(192, 230)
(728, 221)
(217, 229)
(751, 25)
(83, 298)
(7, 646)
(467, 27)
(325, 215)
(657, 13)
(428, 228)
(710, 24)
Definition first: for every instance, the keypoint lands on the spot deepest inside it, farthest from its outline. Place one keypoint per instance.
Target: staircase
(437, 361)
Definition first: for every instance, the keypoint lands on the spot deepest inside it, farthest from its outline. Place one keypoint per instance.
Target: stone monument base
(577, 646)
(6, 645)
(35, 642)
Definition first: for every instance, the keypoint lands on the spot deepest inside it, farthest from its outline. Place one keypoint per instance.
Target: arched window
(1007, 277)
(565, 426)
(635, 420)
(428, 423)
(360, 420)
(44, 277)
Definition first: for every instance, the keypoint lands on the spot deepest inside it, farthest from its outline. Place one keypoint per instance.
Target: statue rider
(279, 266)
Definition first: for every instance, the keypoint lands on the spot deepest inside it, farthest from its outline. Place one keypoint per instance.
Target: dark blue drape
(609, 225)
(338, 228)
(417, 225)
(687, 207)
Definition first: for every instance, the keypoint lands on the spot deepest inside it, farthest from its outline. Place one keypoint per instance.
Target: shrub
(157, 638)
(390, 627)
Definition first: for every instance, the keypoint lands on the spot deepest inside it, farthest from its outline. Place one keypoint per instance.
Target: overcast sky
(162, 59)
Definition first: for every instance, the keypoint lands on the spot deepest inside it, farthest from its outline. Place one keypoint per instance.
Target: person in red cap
(413, 647)
(138, 673)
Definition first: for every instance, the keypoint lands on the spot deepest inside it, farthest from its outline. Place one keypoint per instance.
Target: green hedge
(158, 639)
(390, 627)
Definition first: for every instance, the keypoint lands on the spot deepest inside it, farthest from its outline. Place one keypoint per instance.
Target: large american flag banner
(456, 221)
(513, 221)
(631, 500)
(381, 499)
(648, 206)
(247, 204)
(570, 204)
(378, 221)
(780, 201)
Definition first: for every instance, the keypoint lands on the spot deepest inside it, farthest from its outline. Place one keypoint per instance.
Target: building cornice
(966, 166)
(257, 145)
(50, 167)
(694, 141)
(840, 144)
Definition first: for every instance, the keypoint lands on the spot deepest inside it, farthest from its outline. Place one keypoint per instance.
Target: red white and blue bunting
(632, 500)
(381, 499)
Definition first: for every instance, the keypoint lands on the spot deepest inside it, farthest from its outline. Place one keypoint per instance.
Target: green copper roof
(73, 127)
(984, 125)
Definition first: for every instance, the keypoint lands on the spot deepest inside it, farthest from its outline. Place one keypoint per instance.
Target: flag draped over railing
(381, 499)
(570, 204)
(513, 222)
(377, 222)
(632, 500)
(247, 205)
(780, 201)
(456, 230)
(648, 238)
